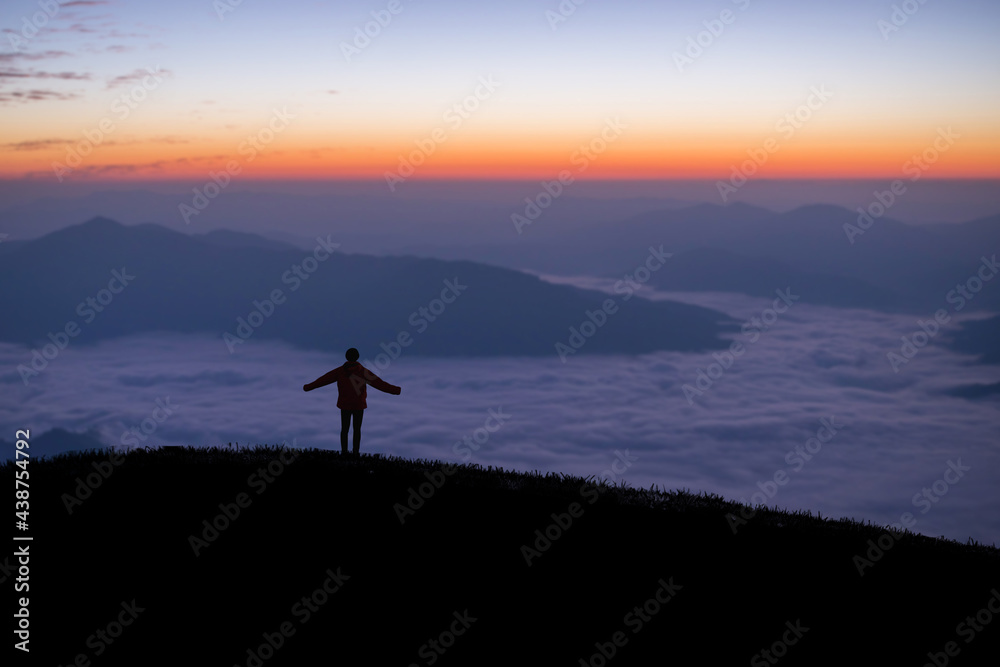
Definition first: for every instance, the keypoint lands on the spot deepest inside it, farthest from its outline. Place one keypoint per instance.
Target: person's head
(352, 354)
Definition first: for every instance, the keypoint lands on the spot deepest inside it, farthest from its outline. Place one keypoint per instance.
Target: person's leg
(359, 415)
(345, 425)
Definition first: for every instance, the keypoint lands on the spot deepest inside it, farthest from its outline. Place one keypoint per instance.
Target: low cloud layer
(896, 433)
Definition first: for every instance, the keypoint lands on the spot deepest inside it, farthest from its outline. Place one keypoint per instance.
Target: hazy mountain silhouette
(188, 283)
(909, 267)
(365, 219)
(231, 239)
(916, 265)
(55, 441)
(706, 269)
(891, 266)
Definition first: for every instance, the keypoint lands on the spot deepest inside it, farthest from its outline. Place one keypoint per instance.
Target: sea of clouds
(618, 417)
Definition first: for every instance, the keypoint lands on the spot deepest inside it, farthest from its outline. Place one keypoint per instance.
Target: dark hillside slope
(327, 519)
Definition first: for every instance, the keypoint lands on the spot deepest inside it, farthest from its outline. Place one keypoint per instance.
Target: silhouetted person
(352, 383)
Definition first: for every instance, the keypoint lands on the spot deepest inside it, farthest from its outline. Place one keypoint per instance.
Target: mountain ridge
(188, 283)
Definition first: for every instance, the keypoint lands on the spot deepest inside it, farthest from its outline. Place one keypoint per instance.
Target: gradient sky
(558, 85)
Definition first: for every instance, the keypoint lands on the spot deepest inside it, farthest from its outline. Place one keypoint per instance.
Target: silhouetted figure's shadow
(352, 383)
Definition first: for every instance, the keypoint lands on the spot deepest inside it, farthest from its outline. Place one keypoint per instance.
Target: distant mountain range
(55, 441)
(717, 270)
(820, 252)
(102, 280)
(891, 266)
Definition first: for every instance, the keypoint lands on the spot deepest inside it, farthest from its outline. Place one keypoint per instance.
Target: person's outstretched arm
(379, 383)
(323, 380)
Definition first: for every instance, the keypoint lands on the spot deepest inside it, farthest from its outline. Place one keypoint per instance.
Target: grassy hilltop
(388, 561)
